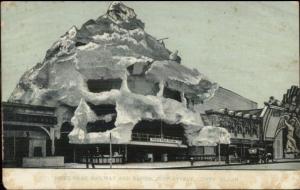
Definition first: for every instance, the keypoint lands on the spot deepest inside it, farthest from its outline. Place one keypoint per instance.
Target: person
(89, 159)
(192, 161)
(274, 102)
(269, 157)
(97, 151)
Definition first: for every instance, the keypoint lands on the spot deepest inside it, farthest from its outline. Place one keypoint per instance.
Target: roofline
(238, 94)
(215, 112)
(247, 110)
(276, 107)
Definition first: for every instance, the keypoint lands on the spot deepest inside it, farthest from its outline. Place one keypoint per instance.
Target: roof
(251, 112)
(246, 99)
(35, 107)
(224, 98)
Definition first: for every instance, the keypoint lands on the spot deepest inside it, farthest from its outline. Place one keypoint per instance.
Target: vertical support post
(52, 138)
(125, 153)
(241, 150)
(52, 147)
(29, 147)
(110, 151)
(14, 146)
(219, 151)
(244, 151)
(161, 130)
(74, 153)
(219, 148)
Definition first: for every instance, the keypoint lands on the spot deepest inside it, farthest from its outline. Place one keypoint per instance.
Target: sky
(251, 48)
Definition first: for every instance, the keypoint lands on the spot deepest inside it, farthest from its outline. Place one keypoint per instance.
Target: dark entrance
(172, 94)
(37, 152)
(100, 153)
(103, 85)
(156, 131)
(15, 148)
(63, 147)
(102, 125)
(22, 148)
(144, 130)
(139, 153)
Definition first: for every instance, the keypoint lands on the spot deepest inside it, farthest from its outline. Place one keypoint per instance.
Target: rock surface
(115, 47)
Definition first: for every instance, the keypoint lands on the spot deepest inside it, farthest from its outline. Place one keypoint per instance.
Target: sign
(163, 140)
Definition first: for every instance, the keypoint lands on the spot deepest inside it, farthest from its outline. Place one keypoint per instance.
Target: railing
(207, 157)
(103, 159)
(146, 137)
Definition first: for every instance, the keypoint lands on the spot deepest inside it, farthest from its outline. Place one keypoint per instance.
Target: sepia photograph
(150, 95)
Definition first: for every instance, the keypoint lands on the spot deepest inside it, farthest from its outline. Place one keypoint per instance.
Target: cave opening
(138, 69)
(101, 125)
(77, 44)
(101, 85)
(102, 110)
(63, 147)
(172, 94)
(144, 130)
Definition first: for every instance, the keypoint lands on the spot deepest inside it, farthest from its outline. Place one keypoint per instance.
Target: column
(14, 134)
(125, 152)
(74, 153)
(52, 138)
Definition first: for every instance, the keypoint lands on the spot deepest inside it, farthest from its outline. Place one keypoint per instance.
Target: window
(172, 94)
(79, 44)
(138, 68)
(100, 126)
(100, 85)
(103, 109)
(37, 151)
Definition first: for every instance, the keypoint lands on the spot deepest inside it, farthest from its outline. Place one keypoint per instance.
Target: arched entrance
(278, 145)
(156, 140)
(279, 142)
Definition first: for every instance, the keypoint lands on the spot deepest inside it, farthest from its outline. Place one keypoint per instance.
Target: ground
(271, 166)
(199, 165)
(148, 165)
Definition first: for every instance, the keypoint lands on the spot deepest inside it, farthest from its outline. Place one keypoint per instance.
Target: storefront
(274, 129)
(244, 128)
(27, 132)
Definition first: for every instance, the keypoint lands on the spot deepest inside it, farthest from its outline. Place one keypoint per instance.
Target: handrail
(102, 159)
(147, 136)
(208, 157)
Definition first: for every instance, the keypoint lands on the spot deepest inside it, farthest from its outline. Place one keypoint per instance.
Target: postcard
(150, 95)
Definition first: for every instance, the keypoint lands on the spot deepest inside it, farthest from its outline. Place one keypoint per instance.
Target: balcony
(29, 118)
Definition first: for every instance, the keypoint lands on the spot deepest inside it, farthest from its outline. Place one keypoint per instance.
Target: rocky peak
(119, 11)
(72, 32)
(122, 15)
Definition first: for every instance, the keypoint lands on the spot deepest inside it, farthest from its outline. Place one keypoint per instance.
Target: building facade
(244, 128)
(151, 141)
(267, 128)
(27, 132)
